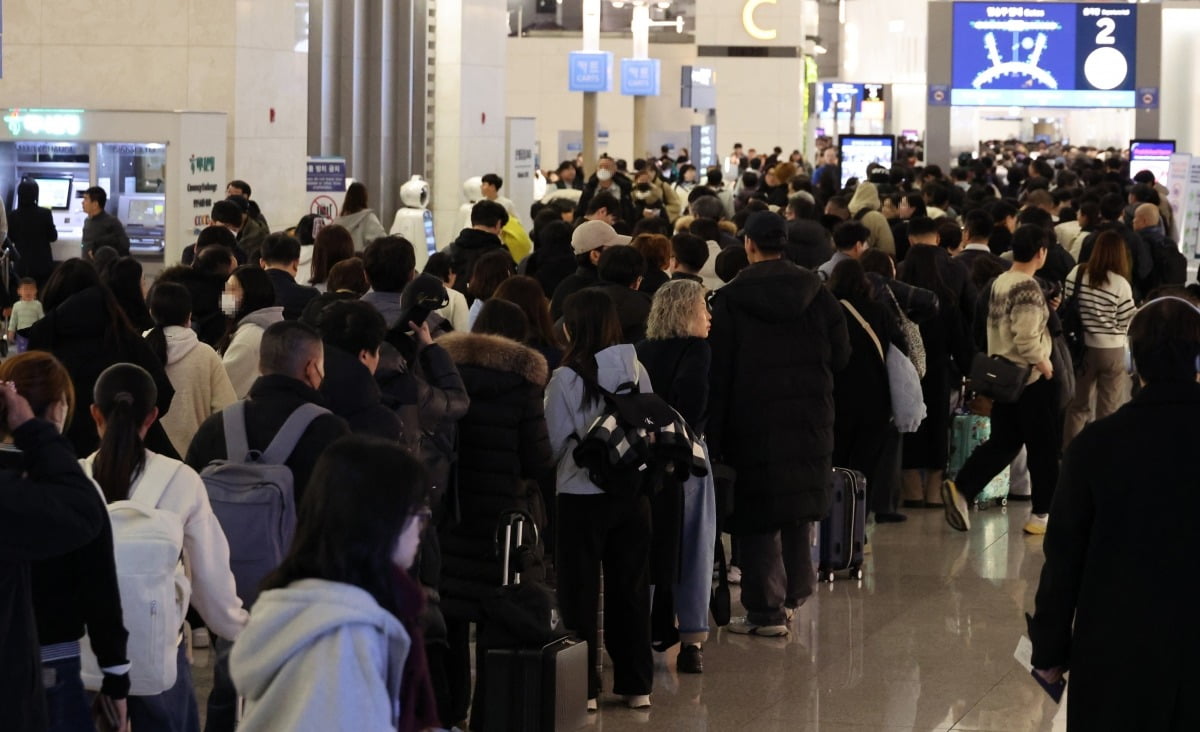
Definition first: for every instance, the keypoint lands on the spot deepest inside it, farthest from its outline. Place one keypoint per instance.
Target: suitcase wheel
(1003, 501)
(856, 573)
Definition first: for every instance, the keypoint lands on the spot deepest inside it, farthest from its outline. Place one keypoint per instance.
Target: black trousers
(1033, 421)
(613, 532)
(458, 673)
(777, 572)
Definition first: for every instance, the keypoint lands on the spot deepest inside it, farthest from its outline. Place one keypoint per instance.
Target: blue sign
(589, 71)
(939, 95)
(326, 175)
(1044, 54)
(640, 77)
(1147, 97)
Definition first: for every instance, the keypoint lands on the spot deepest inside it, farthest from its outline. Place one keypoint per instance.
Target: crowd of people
(386, 419)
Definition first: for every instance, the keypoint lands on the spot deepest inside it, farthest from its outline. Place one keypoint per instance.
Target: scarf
(418, 706)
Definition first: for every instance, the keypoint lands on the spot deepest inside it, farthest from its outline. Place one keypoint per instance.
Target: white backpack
(148, 545)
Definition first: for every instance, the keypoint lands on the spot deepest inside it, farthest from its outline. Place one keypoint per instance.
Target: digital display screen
(856, 152)
(1043, 55)
(1152, 155)
(840, 97)
(430, 242)
(54, 192)
(145, 212)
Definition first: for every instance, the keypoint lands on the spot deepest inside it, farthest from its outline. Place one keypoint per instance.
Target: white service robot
(415, 221)
(473, 193)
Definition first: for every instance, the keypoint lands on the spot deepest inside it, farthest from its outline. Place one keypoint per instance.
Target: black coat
(624, 194)
(47, 509)
(312, 311)
(354, 396)
(271, 401)
(633, 309)
(861, 393)
(208, 321)
(957, 280)
(1059, 264)
(585, 276)
(290, 294)
(503, 449)
(808, 243)
(969, 257)
(678, 369)
(32, 230)
(466, 250)
(549, 265)
(80, 335)
(777, 338)
(652, 280)
(1116, 603)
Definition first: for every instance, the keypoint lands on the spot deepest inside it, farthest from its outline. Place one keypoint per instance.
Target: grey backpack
(253, 496)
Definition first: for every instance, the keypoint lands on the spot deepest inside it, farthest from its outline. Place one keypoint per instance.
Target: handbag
(1071, 318)
(998, 378)
(912, 337)
(908, 405)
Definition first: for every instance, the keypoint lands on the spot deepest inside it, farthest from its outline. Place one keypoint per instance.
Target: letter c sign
(752, 28)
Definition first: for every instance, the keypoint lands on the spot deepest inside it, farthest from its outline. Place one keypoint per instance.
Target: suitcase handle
(510, 519)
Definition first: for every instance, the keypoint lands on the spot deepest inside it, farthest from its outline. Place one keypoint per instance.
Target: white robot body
(415, 221)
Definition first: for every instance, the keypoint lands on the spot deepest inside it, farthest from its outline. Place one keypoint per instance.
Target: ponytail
(156, 338)
(125, 394)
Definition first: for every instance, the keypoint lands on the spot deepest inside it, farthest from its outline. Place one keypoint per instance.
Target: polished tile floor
(924, 643)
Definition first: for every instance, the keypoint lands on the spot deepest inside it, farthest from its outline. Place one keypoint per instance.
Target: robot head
(473, 189)
(415, 193)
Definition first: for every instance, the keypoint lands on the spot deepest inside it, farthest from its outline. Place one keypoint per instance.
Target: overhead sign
(751, 26)
(704, 145)
(640, 77)
(44, 122)
(589, 71)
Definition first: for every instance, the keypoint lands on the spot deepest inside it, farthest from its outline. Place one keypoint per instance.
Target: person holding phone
(1121, 544)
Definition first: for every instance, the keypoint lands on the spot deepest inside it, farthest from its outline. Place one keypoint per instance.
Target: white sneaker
(742, 626)
(1037, 523)
(200, 638)
(593, 705)
(734, 575)
(638, 701)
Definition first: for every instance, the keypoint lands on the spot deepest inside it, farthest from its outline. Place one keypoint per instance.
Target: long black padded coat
(503, 449)
(777, 338)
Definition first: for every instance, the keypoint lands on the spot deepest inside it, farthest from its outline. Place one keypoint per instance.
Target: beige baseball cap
(595, 234)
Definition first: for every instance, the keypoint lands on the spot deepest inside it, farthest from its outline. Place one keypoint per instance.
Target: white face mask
(603, 174)
(228, 304)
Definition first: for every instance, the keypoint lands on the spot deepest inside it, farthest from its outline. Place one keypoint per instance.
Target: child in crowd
(25, 312)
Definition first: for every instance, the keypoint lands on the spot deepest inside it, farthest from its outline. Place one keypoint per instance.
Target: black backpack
(635, 441)
(1170, 264)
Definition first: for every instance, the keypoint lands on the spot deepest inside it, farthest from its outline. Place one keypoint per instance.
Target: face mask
(603, 174)
(643, 187)
(228, 304)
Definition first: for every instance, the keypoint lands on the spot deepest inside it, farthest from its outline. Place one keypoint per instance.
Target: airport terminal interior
(559, 315)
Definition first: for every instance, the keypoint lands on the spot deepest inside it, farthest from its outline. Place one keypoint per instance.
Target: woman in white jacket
(123, 409)
(335, 640)
(202, 385)
(249, 303)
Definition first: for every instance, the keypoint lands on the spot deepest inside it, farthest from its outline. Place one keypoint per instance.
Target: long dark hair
(170, 304)
(362, 492)
(257, 293)
(592, 324)
(848, 281)
(75, 276)
(917, 202)
(527, 294)
(355, 199)
(921, 270)
(125, 394)
(332, 245)
(124, 278)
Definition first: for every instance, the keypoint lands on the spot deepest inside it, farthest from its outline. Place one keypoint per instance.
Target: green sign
(44, 122)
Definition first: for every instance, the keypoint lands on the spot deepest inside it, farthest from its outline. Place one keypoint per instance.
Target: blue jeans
(697, 539)
(66, 701)
(174, 710)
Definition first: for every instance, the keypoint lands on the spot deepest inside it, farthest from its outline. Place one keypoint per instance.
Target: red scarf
(418, 706)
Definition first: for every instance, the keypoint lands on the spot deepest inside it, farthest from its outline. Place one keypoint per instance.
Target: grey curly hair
(672, 309)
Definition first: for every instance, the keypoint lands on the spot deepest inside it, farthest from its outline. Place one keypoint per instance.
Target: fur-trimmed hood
(496, 353)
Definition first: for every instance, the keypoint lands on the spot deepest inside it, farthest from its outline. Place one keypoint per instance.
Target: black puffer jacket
(777, 338)
(466, 250)
(354, 396)
(503, 449)
(78, 332)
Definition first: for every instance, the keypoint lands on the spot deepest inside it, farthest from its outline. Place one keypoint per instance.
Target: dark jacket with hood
(633, 309)
(47, 508)
(678, 369)
(957, 279)
(354, 396)
(624, 188)
(1118, 547)
(466, 250)
(585, 276)
(292, 295)
(808, 243)
(777, 338)
(79, 334)
(32, 229)
(270, 402)
(503, 450)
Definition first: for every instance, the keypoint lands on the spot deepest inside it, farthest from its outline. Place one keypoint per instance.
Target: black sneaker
(691, 659)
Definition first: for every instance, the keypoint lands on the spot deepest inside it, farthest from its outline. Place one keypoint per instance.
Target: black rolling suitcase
(844, 531)
(533, 687)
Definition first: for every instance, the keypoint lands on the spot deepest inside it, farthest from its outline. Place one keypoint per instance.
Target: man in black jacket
(589, 241)
(1112, 208)
(281, 260)
(48, 508)
(608, 180)
(689, 254)
(353, 331)
(808, 243)
(777, 337)
(922, 231)
(487, 220)
(620, 270)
